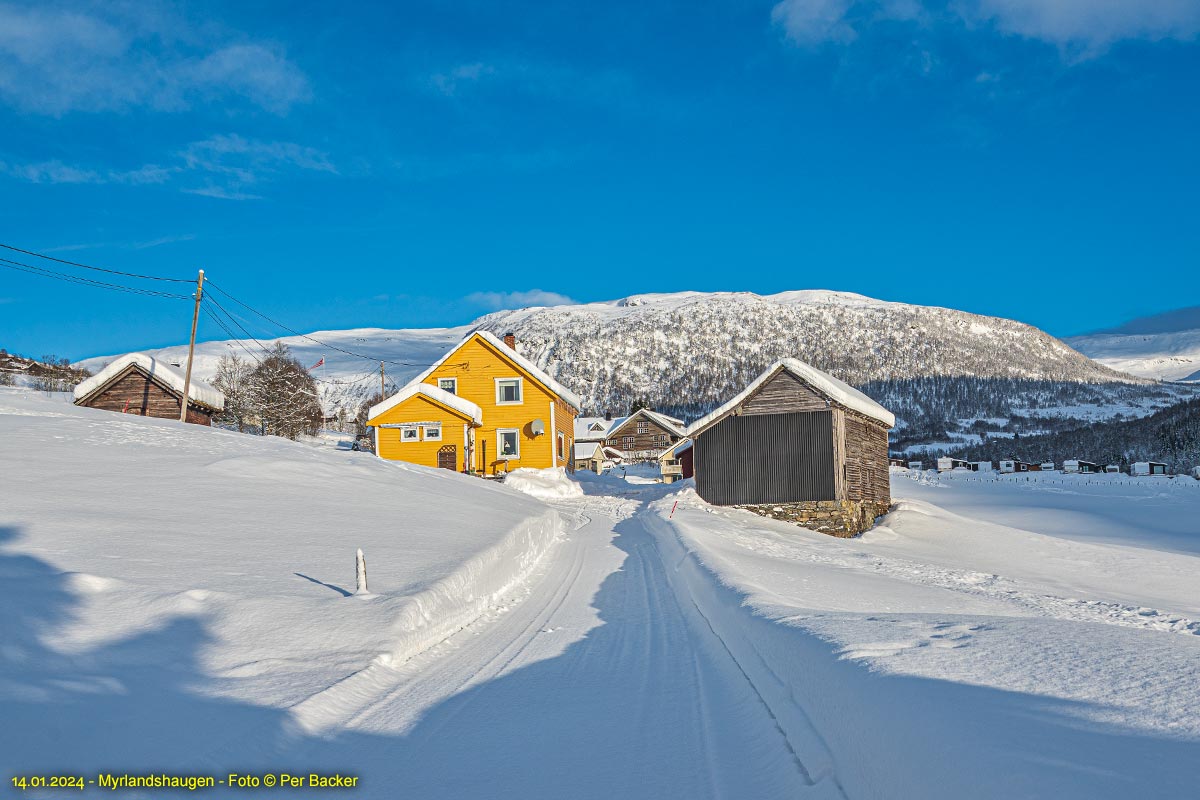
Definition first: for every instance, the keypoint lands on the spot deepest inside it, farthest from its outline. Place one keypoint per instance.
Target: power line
(97, 269)
(238, 325)
(20, 266)
(294, 332)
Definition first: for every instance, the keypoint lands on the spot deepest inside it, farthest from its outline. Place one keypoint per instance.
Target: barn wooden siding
(642, 442)
(866, 464)
(135, 392)
(783, 394)
(767, 458)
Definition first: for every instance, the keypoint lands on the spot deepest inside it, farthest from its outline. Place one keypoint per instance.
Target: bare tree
(285, 395)
(235, 379)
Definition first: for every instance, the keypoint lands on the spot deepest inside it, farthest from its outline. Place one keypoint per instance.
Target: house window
(596, 426)
(409, 433)
(562, 446)
(508, 391)
(643, 427)
(448, 385)
(433, 433)
(508, 443)
(627, 441)
(661, 439)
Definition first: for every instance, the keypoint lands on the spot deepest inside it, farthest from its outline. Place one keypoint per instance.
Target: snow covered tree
(235, 378)
(284, 395)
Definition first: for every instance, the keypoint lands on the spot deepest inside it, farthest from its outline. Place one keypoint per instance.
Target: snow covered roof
(674, 452)
(839, 392)
(459, 404)
(675, 426)
(584, 426)
(586, 449)
(566, 394)
(198, 391)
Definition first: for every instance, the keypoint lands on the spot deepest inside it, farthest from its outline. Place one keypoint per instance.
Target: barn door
(448, 457)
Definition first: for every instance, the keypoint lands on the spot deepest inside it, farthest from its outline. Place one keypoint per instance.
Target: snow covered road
(592, 681)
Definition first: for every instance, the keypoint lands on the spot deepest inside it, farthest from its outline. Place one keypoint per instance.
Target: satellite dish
(537, 427)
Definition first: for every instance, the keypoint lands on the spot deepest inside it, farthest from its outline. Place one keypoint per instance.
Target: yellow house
(481, 408)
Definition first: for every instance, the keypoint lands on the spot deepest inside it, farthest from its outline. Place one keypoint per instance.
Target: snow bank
(944, 657)
(544, 484)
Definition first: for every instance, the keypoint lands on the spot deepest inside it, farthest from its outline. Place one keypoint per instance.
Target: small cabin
(1074, 466)
(981, 466)
(917, 465)
(799, 436)
(148, 387)
(1047, 466)
(1112, 469)
(945, 464)
(1144, 468)
(1196, 473)
(589, 456)
(1013, 465)
(676, 463)
(897, 462)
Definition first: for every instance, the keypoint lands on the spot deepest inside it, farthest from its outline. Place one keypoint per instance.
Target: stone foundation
(843, 518)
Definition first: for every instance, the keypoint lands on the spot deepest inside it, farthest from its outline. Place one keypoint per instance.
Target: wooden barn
(644, 435)
(148, 387)
(799, 437)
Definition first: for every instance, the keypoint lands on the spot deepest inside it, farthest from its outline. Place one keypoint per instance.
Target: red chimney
(510, 339)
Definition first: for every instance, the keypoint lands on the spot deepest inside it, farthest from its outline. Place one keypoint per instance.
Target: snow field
(166, 587)
(942, 655)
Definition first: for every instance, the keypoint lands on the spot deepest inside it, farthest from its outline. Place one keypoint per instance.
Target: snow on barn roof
(584, 425)
(838, 391)
(566, 394)
(198, 391)
(459, 404)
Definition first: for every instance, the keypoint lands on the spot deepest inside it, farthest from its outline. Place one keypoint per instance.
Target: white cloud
(225, 165)
(55, 59)
(814, 22)
(1083, 27)
(1089, 25)
(448, 82)
(494, 301)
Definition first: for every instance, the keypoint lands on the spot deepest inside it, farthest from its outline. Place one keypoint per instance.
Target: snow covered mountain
(687, 352)
(1164, 346)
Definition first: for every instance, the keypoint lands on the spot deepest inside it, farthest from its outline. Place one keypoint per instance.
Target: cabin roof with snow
(593, 428)
(826, 385)
(670, 424)
(167, 376)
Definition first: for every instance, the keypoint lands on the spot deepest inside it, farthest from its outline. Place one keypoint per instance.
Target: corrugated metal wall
(768, 458)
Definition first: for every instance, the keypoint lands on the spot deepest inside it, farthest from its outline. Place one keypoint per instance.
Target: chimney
(510, 339)
(607, 415)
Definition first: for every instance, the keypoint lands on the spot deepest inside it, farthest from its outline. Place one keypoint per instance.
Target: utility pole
(382, 383)
(187, 375)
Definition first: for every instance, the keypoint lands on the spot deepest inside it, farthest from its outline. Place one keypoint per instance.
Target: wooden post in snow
(360, 573)
(187, 375)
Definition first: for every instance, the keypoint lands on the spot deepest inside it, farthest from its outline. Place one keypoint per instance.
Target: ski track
(646, 686)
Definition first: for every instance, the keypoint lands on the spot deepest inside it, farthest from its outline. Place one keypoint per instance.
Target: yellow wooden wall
(476, 365)
(418, 408)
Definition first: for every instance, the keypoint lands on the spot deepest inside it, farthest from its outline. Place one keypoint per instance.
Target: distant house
(590, 456)
(676, 463)
(1047, 466)
(142, 385)
(644, 435)
(481, 408)
(1113, 469)
(1013, 465)
(917, 465)
(945, 464)
(1074, 466)
(1143, 468)
(591, 429)
(981, 466)
(897, 462)
(799, 436)
(1196, 473)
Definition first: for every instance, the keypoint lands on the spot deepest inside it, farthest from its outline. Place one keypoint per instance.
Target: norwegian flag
(320, 363)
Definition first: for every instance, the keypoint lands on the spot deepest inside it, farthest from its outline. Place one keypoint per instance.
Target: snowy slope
(1041, 642)
(163, 585)
(1173, 356)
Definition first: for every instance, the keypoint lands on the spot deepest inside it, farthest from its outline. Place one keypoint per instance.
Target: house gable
(784, 394)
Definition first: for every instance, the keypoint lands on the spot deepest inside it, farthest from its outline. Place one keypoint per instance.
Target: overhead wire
(97, 269)
(21, 266)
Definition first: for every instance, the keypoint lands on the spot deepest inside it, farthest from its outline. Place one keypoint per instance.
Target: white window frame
(516, 432)
(562, 446)
(454, 381)
(425, 429)
(520, 391)
(416, 437)
(643, 426)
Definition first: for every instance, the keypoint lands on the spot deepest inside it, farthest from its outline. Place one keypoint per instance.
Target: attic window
(448, 385)
(509, 391)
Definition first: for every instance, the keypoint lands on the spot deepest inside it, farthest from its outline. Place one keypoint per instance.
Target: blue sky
(422, 163)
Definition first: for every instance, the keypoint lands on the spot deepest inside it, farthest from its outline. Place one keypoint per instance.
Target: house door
(448, 457)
